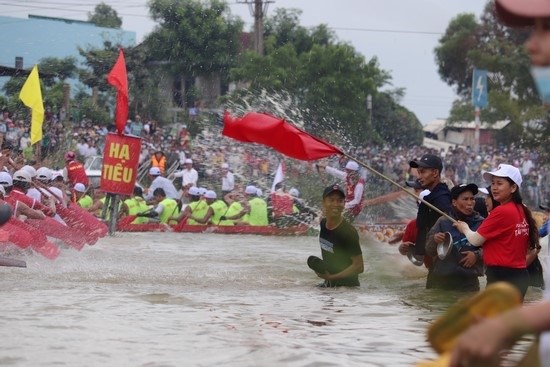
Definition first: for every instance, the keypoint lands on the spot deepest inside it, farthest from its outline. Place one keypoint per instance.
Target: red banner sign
(120, 164)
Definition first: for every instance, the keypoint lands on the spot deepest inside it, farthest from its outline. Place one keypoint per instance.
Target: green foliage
(105, 16)
(193, 36)
(487, 44)
(330, 80)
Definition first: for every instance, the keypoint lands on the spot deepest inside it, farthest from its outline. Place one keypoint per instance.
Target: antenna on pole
(258, 10)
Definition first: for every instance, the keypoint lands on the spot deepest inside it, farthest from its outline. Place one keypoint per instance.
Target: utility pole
(258, 10)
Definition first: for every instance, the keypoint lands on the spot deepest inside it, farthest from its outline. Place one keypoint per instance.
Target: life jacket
(135, 206)
(16, 195)
(199, 209)
(76, 173)
(85, 201)
(281, 204)
(350, 195)
(220, 208)
(234, 209)
(160, 163)
(170, 211)
(258, 212)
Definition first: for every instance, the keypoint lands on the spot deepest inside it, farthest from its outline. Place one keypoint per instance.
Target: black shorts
(519, 278)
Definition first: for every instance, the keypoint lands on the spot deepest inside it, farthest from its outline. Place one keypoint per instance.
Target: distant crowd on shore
(257, 164)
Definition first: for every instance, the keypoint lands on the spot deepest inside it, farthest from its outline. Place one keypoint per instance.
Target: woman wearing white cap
(480, 345)
(507, 233)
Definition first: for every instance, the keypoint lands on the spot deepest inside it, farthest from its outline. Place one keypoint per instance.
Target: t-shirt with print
(338, 246)
(506, 234)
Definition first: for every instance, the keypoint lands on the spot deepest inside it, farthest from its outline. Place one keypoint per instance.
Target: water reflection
(176, 299)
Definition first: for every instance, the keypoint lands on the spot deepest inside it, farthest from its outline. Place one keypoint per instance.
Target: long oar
(444, 332)
(6, 261)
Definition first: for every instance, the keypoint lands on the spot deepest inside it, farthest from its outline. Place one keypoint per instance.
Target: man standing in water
(429, 175)
(342, 257)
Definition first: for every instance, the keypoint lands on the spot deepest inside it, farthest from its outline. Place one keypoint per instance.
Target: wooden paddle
(444, 332)
(6, 261)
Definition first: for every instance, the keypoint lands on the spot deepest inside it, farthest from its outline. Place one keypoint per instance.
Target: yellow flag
(31, 95)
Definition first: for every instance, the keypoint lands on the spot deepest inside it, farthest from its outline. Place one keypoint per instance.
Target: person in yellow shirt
(166, 210)
(82, 198)
(133, 205)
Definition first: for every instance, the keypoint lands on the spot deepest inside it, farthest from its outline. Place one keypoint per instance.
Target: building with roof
(463, 133)
(38, 37)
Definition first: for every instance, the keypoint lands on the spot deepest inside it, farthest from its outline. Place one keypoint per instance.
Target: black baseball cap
(459, 189)
(427, 161)
(333, 188)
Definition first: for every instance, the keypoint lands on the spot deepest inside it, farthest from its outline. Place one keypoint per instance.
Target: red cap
(521, 13)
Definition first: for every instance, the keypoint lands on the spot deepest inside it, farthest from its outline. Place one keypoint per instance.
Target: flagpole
(431, 206)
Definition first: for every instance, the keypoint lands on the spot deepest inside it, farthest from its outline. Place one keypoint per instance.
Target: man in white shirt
(189, 176)
(228, 179)
(162, 182)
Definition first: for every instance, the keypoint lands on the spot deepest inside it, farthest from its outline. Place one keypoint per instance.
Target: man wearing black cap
(429, 176)
(342, 257)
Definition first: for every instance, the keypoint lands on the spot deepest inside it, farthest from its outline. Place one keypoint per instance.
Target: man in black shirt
(342, 257)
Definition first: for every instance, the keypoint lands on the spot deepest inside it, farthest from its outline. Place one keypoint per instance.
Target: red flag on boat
(119, 79)
(278, 134)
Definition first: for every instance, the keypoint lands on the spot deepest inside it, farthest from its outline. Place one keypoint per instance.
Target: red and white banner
(120, 164)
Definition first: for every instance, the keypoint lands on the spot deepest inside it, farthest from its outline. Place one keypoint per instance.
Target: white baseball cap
(5, 179)
(505, 170)
(484, 190)
(225, 165)
(210, 194)
(251, 190)
(22, 176)
(294, 192)
(80, 187)
(30, 169)
(259, 192)
(352, 165)
(202, 191)
(188, 161)
(193, 190)
(154, 171)
(44, 173)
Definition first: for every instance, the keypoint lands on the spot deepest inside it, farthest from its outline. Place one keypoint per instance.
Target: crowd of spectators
(256, 164)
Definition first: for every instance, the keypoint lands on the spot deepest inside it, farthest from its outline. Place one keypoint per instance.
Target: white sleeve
(474, 238)
(335, 172)
(159, 209)
(357, 194)
(178, 174)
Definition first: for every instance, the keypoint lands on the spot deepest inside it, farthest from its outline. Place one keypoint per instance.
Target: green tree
(487, 44)
(194, 37)
(329, 80)
(105, 16)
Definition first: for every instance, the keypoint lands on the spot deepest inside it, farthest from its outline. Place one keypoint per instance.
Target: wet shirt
(506, 234)
(338, 246)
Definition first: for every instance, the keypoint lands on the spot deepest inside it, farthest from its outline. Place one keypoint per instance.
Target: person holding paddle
(481, 344)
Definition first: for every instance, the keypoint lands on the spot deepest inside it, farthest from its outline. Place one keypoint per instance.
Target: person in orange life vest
(74, 171)
(159, 160)
(355, 185)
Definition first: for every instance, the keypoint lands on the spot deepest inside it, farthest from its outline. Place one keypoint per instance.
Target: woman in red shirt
(507, 233)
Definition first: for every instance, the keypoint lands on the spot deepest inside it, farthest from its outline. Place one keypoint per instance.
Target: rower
(166, 209)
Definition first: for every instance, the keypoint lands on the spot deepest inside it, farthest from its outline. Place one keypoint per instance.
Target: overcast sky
(402, 34)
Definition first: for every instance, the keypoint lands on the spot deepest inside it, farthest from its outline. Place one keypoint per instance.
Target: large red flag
(119, 79)
(278, 134)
